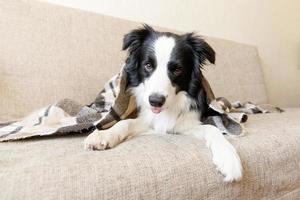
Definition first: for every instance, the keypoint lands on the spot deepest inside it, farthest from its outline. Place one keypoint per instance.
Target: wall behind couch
(272, 26)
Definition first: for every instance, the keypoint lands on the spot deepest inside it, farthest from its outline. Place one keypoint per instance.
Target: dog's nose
(157, 100)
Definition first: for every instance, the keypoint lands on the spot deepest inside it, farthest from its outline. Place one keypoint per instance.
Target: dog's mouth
(156, 110)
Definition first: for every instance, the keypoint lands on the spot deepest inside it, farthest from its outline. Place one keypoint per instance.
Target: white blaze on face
(163, 118)
(159, 81)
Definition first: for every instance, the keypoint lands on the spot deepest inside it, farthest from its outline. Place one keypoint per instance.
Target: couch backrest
(49, 52)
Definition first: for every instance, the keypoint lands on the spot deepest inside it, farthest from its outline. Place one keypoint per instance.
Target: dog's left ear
(203, 52)
(202, 49)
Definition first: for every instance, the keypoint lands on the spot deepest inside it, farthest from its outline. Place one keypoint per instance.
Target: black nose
(157, 100)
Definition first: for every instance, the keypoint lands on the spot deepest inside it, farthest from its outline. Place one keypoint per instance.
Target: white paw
(100, 140)
(227, 161)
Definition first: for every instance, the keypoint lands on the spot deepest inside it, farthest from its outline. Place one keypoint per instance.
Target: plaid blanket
(115, 103)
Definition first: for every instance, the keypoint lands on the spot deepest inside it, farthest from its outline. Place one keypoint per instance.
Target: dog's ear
(133, 42)
(202, 50)
(135, 38)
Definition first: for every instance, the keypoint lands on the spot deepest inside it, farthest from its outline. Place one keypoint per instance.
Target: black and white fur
(164, 74)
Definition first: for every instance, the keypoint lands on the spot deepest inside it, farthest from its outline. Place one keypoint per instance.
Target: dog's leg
(224, 154)
(109, 138)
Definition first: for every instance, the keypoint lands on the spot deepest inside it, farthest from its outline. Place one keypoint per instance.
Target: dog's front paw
(228, 162)
(100, 140)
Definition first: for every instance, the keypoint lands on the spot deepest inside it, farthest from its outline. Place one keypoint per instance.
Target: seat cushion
(155, 166)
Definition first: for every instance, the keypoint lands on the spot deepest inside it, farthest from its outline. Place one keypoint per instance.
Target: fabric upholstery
(156, 166)
(48, 53)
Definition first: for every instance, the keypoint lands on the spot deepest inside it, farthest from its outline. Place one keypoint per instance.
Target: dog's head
(165, 65)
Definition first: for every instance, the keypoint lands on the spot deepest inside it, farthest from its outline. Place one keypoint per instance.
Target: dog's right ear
(135, 38)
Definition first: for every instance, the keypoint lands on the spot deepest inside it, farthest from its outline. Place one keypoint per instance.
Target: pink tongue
(156, 110)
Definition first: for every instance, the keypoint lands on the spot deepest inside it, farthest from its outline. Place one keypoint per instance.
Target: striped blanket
(115, 103)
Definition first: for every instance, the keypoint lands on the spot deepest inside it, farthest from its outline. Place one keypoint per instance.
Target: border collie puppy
(164, 75)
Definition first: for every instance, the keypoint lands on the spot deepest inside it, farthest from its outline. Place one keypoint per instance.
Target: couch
(49, 52)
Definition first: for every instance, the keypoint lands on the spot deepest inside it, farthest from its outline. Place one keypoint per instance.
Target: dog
(164, 75)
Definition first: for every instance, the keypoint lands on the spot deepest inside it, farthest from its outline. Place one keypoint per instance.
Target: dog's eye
(177, 71)
(148, 67)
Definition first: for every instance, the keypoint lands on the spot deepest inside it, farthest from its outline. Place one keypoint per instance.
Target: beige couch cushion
(49, 53)
(155, 167)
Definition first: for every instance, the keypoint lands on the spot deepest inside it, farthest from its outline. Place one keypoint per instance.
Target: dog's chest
(163, 123)
(172, 123)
